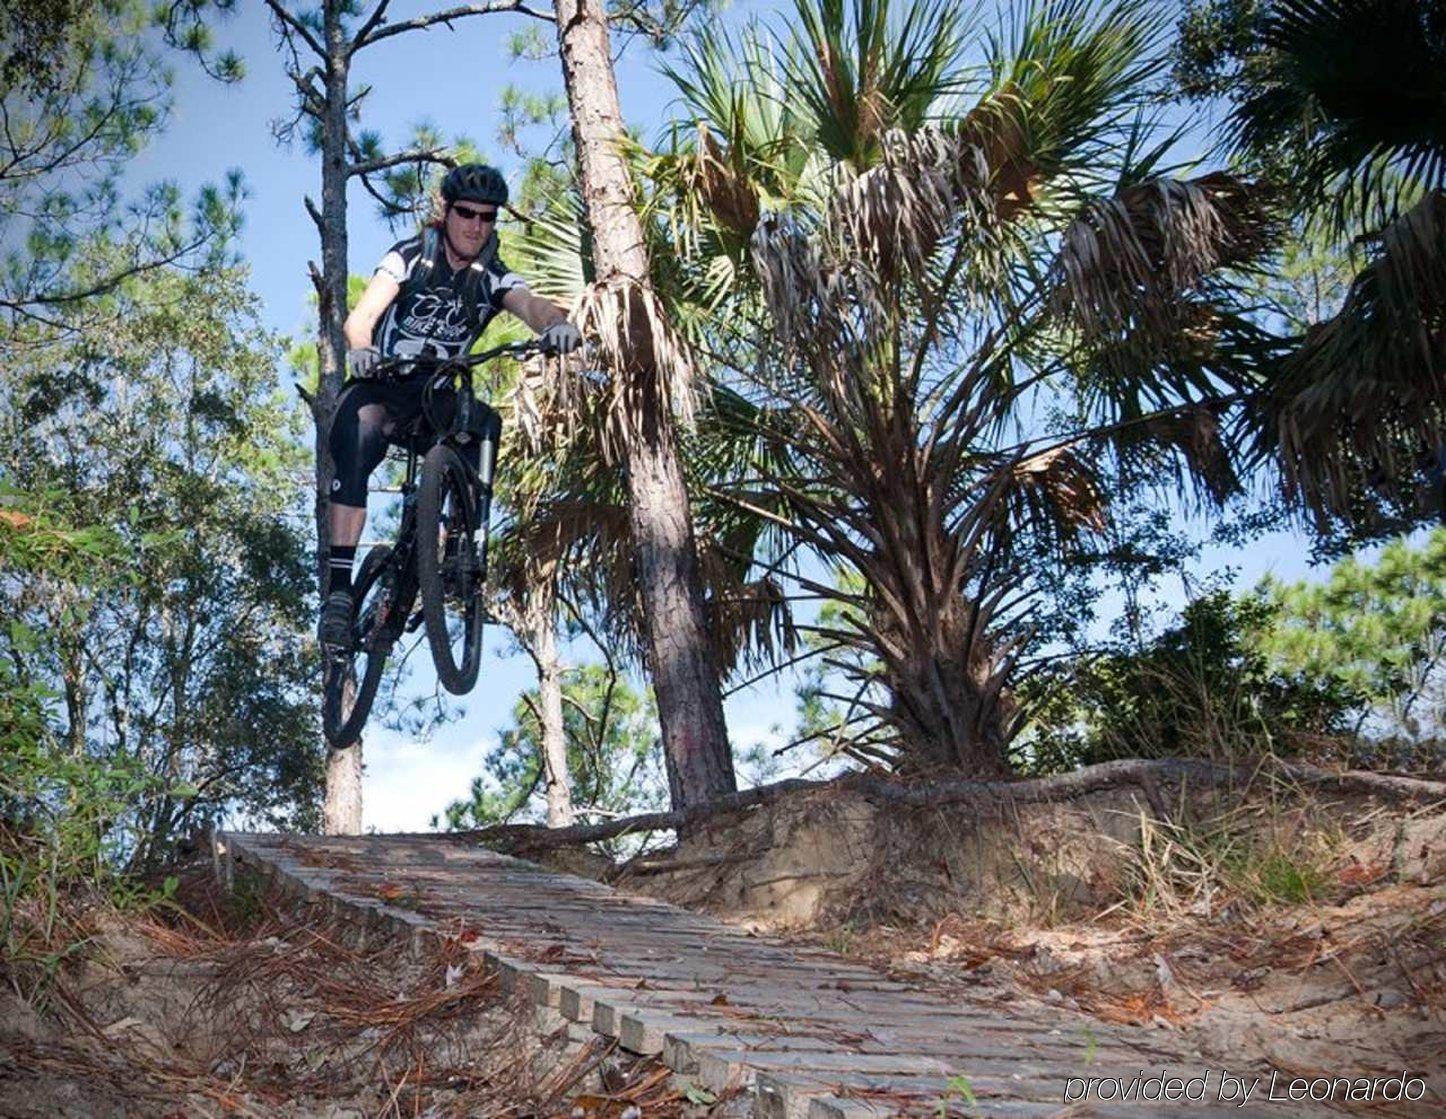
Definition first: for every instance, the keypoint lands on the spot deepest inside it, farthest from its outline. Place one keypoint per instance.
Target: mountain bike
(440, 552)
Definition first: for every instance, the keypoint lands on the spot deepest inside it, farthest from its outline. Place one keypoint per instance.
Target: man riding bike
(432, 294)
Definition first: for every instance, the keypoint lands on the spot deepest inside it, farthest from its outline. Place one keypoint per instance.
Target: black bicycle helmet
(475, 182)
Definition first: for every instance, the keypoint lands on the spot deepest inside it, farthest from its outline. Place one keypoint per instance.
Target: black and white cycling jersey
(433, 316)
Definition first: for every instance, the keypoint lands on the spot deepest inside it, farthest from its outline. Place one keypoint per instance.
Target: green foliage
(1377, 630)
(613, 754)
(860, 67)
(61, 813)
(1338, 105)
(1288, 668)
(1202, 688)
(89, 91)
(1216, 40)
(929, 287)
(170, 435)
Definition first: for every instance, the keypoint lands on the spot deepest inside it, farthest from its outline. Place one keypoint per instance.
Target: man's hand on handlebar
(560, 338)
(368, 364)
(362, 363)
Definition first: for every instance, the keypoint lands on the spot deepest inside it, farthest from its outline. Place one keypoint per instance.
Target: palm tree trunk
(685, 677)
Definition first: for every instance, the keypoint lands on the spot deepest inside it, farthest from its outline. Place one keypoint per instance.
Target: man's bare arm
(375, 300)
(534, 310)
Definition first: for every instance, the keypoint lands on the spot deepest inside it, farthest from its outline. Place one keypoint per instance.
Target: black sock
(339, 567)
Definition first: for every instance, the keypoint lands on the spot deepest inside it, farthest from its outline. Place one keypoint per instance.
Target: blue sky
(451, 79)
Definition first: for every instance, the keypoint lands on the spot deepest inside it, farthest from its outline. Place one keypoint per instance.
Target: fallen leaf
(115, 1029)
(298, 1020)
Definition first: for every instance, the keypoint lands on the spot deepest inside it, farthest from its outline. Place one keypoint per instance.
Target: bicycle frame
(388, 593)
(454, 375)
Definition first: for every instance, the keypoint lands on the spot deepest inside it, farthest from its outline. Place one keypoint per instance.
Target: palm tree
(936, 262)
(1342, 103)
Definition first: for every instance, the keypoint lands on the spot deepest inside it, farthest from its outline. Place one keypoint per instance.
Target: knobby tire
(341, 724)
(445, 491)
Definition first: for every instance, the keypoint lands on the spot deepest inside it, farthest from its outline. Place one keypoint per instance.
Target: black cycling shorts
(370, 415)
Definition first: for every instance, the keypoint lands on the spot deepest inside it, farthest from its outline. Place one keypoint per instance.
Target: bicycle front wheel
(449, 568)
(351, 678)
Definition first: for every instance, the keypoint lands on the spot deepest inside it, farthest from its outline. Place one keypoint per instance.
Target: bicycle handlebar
(432, 362)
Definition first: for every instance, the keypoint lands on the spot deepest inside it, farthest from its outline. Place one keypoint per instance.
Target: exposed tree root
(1146, 774)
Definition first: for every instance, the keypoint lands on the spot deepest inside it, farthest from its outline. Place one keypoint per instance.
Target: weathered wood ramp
(810, 1035)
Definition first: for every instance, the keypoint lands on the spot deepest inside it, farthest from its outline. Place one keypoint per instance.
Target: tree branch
(422, 22)
(416, 155)
(368, 27)
(102, 286)
(296, 27)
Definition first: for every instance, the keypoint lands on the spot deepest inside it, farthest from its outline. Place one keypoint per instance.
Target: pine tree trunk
(342, 811)
(681, 663)
(554, 736)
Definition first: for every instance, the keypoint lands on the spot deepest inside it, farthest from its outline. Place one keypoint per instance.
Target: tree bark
(342, 810)
(680, 656)
(549, 688)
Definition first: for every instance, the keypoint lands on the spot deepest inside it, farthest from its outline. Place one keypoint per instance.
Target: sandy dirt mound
(1274, 928)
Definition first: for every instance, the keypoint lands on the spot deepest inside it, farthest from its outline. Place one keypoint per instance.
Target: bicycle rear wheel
(350, 680)
(449, 568)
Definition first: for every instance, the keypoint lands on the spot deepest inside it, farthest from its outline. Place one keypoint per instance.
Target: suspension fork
(486, 471)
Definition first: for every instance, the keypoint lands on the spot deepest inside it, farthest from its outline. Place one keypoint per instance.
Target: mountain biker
(432, 294)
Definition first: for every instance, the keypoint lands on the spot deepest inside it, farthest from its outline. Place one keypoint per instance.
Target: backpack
(432, 254)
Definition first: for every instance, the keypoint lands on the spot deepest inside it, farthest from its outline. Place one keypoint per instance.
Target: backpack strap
(474, 277)
(426, 263)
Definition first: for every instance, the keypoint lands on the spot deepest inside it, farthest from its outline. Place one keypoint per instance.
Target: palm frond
(863, 67)
(1126, 262)
(1065, 77)
(555, 255)
(1365, 395)
(1351, 92)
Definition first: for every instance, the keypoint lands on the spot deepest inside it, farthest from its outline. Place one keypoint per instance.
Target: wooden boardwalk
(808, 1034)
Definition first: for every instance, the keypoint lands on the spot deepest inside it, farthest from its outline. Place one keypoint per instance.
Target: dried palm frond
(1126, 262)
(1365, 395)
(557, 404)
(726, 192)
(641, 347)
(1195, 432)
(891, 217)
(752, 622)
(795, 284)
(1060, 480)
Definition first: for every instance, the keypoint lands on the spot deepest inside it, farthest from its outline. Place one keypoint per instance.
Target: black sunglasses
(466, 213)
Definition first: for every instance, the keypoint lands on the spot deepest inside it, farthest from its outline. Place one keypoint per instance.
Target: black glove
(362, 363)
(560, 338)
